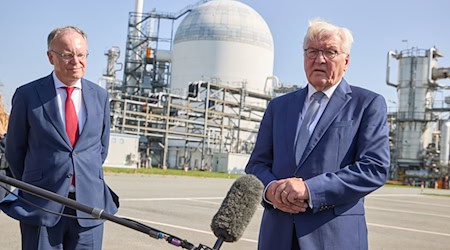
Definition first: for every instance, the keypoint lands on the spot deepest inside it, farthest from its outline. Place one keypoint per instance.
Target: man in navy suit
(317, 174)
(43, 151)
(4, 169)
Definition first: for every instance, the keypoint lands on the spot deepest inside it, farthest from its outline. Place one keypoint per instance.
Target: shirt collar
(59, 84)
(328, 92)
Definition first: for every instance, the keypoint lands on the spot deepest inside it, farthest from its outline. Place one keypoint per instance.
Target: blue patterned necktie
(303, 133)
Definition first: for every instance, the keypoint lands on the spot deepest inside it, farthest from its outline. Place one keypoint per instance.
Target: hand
(289, 195)
(295, 187)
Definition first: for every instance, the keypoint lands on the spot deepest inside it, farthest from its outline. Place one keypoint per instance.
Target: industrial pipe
(430, 68)
(388, 68)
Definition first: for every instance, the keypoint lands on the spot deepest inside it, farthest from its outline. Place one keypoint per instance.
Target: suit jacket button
(69, 175)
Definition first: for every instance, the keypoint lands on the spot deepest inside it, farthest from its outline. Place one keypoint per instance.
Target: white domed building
(227, 43)
(223, 41)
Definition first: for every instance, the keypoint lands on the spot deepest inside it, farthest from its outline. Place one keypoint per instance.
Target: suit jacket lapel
(47, 93)
(337, 102)
(89, 101)
(295, 107)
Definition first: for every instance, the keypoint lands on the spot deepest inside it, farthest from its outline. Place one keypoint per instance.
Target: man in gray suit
(58, 140)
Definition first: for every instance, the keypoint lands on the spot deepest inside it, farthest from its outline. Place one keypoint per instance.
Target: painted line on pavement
(428, 204)
(184, 228)
(408, 229)
(405, 211)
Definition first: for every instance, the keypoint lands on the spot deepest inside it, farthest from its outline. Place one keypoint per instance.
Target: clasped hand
(289, 195)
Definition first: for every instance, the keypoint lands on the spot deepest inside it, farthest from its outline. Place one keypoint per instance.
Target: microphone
(237, 209)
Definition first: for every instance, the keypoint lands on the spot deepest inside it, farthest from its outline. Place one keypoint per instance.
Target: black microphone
(237, 209)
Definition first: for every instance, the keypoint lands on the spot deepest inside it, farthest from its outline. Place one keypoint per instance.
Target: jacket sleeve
(17, 142)
(106, 129)
(260, 162)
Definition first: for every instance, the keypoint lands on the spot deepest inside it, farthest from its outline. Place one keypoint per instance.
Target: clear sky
(377, 26)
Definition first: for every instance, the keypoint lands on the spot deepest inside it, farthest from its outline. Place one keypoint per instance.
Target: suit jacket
(39, 152)
(347, 158)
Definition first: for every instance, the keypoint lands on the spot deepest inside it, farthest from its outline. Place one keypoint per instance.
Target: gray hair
(319, 29)
(56, 32)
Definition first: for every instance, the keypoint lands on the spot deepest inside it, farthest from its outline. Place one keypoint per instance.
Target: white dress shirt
(77, 98)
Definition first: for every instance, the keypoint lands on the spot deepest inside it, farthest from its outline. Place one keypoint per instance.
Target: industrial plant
(193, 96)
(420, 128)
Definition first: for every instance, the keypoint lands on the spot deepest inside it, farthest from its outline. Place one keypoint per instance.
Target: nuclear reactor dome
(223, 41)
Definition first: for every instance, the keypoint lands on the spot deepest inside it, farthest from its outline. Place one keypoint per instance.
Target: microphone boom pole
(98, 213)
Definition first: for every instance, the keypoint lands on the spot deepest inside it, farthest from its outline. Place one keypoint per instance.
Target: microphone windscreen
(237, 208)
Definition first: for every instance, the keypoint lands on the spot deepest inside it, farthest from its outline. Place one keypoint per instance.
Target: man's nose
(320, 57)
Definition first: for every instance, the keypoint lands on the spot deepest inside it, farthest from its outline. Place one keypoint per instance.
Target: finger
(278, 193)
(286, 209)
(284, 197)
(300, 202)
(295, 196)
(291, 209)
(277, 196)
(300, 207)
(295, 208)
(292, 197)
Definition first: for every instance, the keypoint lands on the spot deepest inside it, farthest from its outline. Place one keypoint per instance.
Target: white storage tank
(222, 41)
(415, 97)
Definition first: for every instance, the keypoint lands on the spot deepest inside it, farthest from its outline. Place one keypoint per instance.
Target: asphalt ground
(397, 218)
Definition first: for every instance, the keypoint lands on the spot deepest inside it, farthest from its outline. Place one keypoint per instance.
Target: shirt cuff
(264, 193)
(310, 204)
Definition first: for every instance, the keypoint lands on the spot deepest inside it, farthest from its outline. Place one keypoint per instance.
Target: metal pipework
(440, 73)
(430, 61)
(388, 68)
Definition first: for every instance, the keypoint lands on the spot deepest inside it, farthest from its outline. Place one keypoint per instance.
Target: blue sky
(377, 26)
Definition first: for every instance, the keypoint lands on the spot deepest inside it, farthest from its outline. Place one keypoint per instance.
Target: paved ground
(398, 218)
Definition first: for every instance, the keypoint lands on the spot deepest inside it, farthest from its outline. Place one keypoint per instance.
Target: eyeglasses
(329, 54)
(66, 56)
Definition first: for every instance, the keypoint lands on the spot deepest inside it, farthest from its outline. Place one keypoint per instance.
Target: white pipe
(139, 6)
(139, 9)
(441, 73)
(388, 68)
(430, 68)
(445, 143)
(275, 84)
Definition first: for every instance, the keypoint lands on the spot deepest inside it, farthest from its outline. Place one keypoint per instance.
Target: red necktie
(71, 118)
(71, 122)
